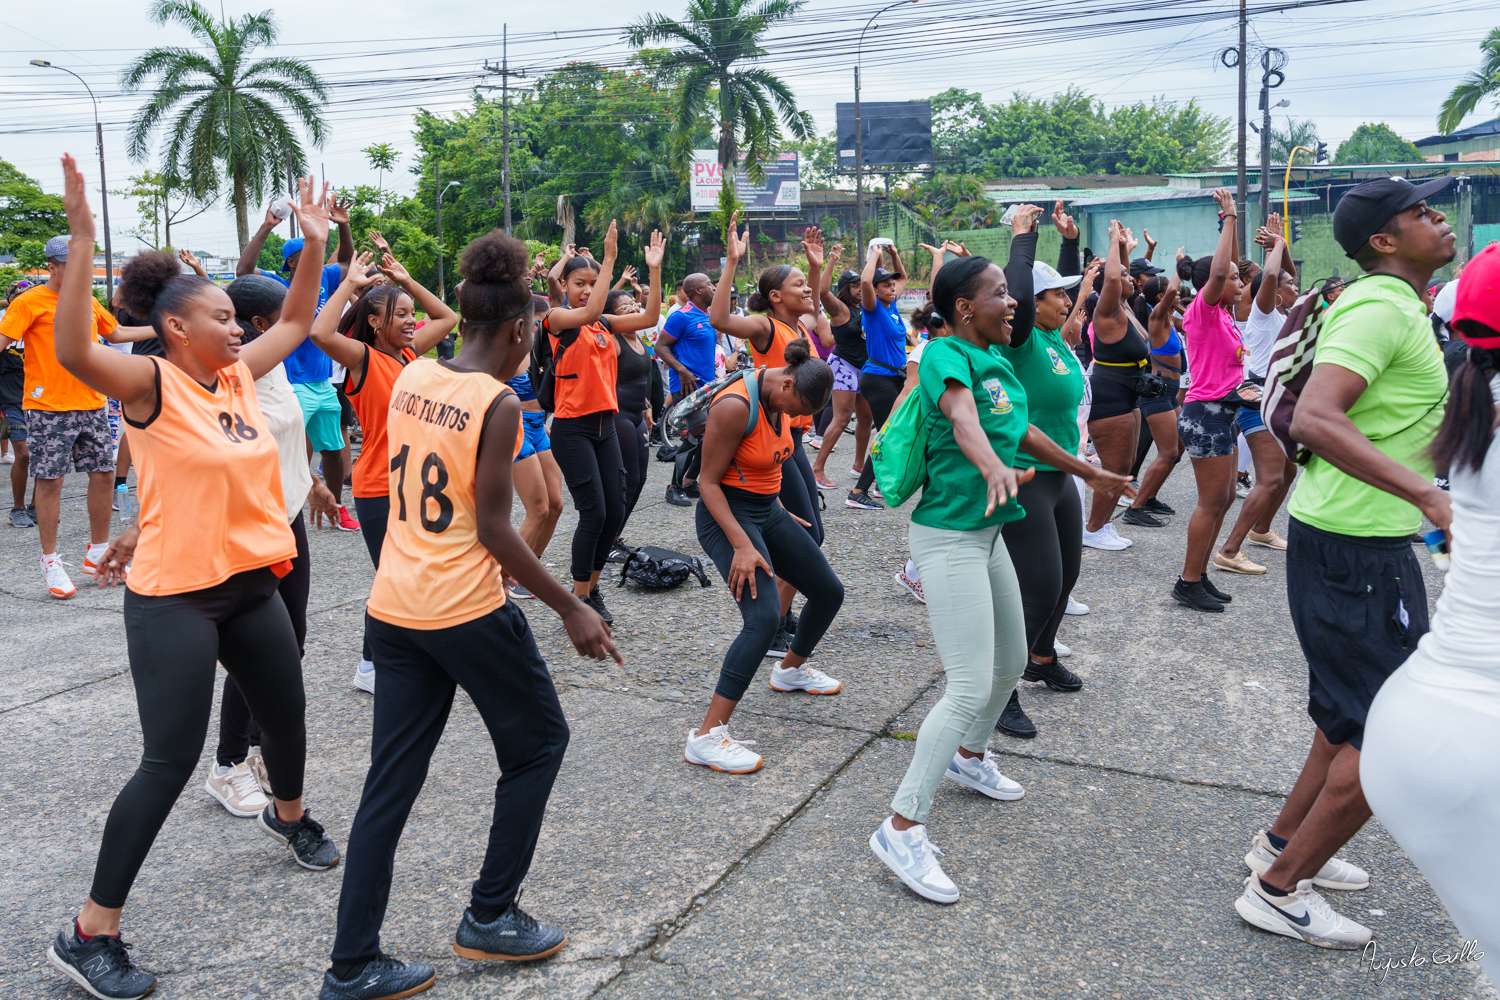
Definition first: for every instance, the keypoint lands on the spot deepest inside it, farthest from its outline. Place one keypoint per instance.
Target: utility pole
(1271, 63)
(1242, 189)
(505, 73)
(859, 175)
(291, 185)
(437, 165)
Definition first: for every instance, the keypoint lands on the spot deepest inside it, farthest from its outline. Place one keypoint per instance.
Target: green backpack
(899, 450)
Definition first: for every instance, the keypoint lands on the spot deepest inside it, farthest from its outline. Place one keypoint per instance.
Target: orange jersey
(756, 466)
(49, 386)
(210, 485)
(585, 377)
(371, 399)
(775, 355)
(434, 572)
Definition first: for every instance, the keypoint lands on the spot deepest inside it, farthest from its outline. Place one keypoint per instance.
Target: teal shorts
(320, 414)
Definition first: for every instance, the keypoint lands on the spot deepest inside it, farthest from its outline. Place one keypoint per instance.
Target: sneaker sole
(792, 690)
(1013, 734)
(724, 770)
(964, 779)
(1054, 685)
(904, 586)
(423, 988)
(1108, 548)
(62, 597)
(485, 956)
(261, 822)
(1229, 567)
(221, 800)
(359, 685)
(1274, 925)
(859, 506)
(910, 883)
(57, 963)
(1189, 604)
(1260, 868)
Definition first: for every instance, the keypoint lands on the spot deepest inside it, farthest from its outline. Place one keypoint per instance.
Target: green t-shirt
(1378, 330)
(955, 495)
(1053, 379)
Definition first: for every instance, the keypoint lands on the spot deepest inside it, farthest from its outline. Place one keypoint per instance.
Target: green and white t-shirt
(1053, 379)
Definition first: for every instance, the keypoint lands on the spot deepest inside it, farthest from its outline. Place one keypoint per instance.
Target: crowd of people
(1036, 394)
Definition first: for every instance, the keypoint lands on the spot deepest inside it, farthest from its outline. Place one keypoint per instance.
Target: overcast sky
(1370, 60)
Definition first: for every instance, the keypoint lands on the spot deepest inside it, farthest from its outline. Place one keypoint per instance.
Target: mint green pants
(974, 603)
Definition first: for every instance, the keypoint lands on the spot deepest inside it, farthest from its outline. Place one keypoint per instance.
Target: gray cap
(57, 248)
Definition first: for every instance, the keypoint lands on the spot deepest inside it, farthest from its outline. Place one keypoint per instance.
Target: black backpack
(543, 367)
(660, 569)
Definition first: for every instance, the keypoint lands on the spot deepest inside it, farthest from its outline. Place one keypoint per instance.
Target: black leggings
(635, 454)
(373, 513)
(799, 490)
(1046, 548)
(173, 643)
(588, 452)
(237, 728)
(792, 554)
(880, 391)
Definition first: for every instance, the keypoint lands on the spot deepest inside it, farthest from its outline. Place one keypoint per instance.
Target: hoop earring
(968, 318)
(184, 342)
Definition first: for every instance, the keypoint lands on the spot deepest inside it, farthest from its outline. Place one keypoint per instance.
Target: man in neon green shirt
(1370, 409)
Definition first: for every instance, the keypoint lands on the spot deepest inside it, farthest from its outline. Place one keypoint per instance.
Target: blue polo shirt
(696, 345)
(885, 340)
(307, 363)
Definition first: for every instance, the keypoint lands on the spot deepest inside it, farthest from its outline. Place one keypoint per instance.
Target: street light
(859, 135)
(109, 260)
(441, 191)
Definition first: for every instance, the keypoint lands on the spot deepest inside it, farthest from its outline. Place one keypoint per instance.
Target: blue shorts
(536, 439)
(17, 420)
(321, 414)
(1249, 421)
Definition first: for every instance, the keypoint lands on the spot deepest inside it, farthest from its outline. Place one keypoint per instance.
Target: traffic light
(1296, 230)
(1321, 156)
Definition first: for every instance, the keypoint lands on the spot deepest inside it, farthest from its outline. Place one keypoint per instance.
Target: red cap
(1479, 299)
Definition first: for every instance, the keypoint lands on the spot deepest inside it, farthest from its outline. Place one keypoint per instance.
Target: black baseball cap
(845, 279)
(1143, 266)
(1365, 209)
(881, 274)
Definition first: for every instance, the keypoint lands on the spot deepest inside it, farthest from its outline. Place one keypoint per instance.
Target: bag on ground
(660, 569)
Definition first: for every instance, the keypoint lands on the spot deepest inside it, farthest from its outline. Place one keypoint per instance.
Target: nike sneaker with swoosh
(1336, 874)
(982, 775)
(383, 978)
(1303, 914)
(913, 858)
(514, 936)
(720, 751)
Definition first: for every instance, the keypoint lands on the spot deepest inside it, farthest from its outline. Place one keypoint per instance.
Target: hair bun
(495, 259)
(1185, 268)
(797, 352)
(142, 279)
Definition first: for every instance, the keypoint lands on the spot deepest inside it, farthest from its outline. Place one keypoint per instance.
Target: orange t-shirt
(210, 485)
(585, 379)
(49, 386)
(434, 572)
(756, 466)
(371, 399)
(775, 356)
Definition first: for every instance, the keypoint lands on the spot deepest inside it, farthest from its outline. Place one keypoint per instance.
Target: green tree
(32, 255)
(1376, 143)
(1479, 84)
(228, 115)
(26, 211)
(382, 157)
(952, 201)
(1302, 133)
(719, 35)
(819, 166)
(1161, 137)
(154, 194)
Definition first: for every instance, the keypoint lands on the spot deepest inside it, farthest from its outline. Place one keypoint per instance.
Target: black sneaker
(666, 453)
(383, 978)
(304, 838)
(619, 552)
(513, 936)
(860, 500)
(780, 645)
(1057, 676)
(1194, 595)
(1141, 519)
(1214, 591)
(691, 489)
(101, 965)
(595, 600)
(677, 496)
(1155, 506)
(790, 621)
(1014, 722)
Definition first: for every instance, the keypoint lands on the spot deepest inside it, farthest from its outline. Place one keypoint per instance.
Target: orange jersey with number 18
(434, 572)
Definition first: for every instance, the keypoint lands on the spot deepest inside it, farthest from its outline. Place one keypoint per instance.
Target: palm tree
(382, 157)
(1481, 83)
(1302, 133)
(229, 116)
(718, 35)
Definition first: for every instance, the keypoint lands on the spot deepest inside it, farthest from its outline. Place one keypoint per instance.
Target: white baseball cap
(1447, 298)
(1045, 277)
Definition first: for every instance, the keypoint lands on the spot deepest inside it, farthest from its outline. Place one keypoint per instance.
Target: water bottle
(122, 501)
(1437, 545)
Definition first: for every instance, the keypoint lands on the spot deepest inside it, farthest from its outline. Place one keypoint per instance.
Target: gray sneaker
(20, 518)
(912, 857)
(981, 774)
(304, 838)
(513, 936)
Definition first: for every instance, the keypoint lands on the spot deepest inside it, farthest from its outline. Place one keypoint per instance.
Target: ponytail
(1468, 426)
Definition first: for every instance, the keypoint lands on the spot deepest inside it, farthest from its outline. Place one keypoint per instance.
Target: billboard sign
(781, 192)
(896, 133)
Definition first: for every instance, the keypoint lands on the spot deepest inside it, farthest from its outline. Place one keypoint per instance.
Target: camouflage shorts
(66, 440)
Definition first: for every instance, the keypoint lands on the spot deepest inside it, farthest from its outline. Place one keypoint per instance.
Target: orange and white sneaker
(93, 558)
(58, 583)
(343, 521)
(720, 751)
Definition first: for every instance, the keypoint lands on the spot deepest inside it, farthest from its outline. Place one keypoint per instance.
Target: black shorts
(1358, 606)
(1110, 398)
(1165, 403)
(346, 408)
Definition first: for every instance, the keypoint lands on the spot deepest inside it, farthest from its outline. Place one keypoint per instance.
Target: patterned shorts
(66, 440)
(845, 375)
(1207, 428)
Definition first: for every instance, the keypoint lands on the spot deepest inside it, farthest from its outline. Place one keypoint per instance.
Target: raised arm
(1270, 274)
(338, 214)
(1109, 324)
(1224, 255)
(440, 318)
(1068, 262)
(838, 313)
(251, 253)
(756, 329)
(1165, 312)
(565, 318)
(647, 319)
(271, 348)
(900, 269)
(347, 351)
(867, 297)
(1072, 328)
(1018, 275)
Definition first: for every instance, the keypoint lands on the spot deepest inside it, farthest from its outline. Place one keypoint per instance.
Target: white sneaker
(257, 765)
(1106, 538)
(1076, 607)
(1335, 874)
(913, 858)
(1304, 915)
(9, 458)
(803, 678)
(364, 676)
(58, 583)
(93, 556)
(1059, 650)
(237, 789)
(720, 751)
(981, 774)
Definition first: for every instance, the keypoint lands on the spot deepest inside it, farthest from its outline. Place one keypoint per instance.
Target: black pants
(238, 730)
(495, 659)
(795, 558)
(880, 391)
(635, 453)
(824, 417)
(373, 514)
(588, 452)
(1046, 548)
(799, 490)
(173, 643)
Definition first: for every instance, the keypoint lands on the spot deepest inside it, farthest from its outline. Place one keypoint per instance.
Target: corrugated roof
(1117, 196)
(1491, 127)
